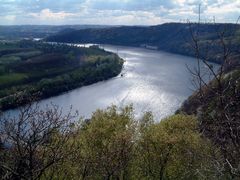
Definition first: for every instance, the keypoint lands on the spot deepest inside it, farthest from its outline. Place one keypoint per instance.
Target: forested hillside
(171, 37)
(216, 104)
(38, 31)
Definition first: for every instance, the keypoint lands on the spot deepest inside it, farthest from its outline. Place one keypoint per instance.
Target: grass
(11, 78)
(25, 55)
(9, 60)
(6, 45)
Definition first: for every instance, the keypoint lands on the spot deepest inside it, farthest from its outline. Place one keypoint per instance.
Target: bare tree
(218, 101)
(33, 142)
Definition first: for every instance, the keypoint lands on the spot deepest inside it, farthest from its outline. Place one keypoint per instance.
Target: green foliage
(113, 145)
(12, 78)
(172, 149)
(217, 107)
(43, 70)
(25, 55)
(103, 146)
(171, 37)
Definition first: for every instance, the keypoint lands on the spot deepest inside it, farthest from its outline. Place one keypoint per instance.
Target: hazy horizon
(55, 25)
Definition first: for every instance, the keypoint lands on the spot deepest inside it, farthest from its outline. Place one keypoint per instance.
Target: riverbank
(169, 37)
(152, 81)
(43, 70)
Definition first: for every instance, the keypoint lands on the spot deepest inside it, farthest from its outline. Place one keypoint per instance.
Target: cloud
(47, 14)
(128, 5)
(223, 10)
(133, 12)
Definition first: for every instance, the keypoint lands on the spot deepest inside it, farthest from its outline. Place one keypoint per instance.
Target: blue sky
(115, 12)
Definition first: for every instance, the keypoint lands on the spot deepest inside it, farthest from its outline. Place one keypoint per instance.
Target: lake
(151, 80)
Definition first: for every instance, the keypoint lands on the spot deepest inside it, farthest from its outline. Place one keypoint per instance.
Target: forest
(170, 37)
(112, 144)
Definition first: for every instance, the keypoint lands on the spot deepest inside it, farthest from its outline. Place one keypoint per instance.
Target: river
(151, 80)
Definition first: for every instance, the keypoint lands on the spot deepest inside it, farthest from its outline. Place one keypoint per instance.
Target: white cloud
(10, 17)
(131, 12)
(224, 12)
(225, 8)
(47, 14)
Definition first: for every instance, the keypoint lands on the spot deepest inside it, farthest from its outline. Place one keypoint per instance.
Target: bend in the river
(150, 80)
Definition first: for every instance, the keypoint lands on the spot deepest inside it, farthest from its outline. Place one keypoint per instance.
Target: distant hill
(39, 31)
(171, 37)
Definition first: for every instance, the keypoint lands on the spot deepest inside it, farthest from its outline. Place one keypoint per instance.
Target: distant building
(149, 47)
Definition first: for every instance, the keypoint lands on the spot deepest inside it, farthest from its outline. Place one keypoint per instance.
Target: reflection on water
(152, 81)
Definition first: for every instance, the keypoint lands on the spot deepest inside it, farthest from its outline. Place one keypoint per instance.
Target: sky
(115, 12)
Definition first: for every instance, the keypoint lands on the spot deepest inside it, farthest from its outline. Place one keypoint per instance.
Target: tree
(103, 145)
(172, 149)
(33, 142)
(217, 104)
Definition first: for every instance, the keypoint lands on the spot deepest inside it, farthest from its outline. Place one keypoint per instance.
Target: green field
(24, 55)
(12, 78)
(40, 70)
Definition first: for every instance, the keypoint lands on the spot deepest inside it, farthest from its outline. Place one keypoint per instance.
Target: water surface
(150, 80)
